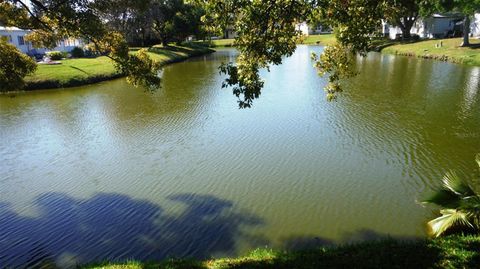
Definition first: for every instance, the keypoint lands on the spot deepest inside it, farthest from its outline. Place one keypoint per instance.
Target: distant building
(435, 26)
(230, 33)
(475, 26)
(309, 30)
(16, 37)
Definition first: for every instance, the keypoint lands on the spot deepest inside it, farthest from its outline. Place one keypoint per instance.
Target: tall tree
(53, 20)
(404, 13)
(169, 20)
(467, 8)
(124, 16)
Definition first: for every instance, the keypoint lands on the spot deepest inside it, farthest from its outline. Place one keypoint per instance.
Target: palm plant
(460, 205)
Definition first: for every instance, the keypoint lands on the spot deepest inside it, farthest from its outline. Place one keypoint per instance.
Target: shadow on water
(68, 231)
(362, 235)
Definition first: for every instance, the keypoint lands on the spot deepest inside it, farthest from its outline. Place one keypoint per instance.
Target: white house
(475, 26)
(303, 28)
(307, 30)
(16, 36)
(436, 26)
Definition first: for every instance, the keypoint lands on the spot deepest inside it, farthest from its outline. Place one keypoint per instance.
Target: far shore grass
(436, 49)
(323, 39)
(449, 50)
(449, 252)
(76, 72)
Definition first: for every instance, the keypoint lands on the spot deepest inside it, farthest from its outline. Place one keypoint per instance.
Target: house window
(21, 41)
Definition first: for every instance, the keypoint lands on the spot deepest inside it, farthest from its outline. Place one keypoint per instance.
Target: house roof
(447, 15)
(3, 28)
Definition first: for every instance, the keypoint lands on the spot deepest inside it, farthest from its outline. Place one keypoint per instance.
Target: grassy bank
(76, 72)
(217, 43)
(327, 39)
(430, 49)
(448, 252)
(449, 50)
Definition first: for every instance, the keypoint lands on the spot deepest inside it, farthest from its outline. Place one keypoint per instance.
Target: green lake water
(109, 171)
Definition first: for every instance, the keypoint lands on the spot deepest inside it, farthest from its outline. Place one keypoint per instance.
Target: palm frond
(450, 218)
(477, 159)
(444, 198)
(471, 205)
(454, 183)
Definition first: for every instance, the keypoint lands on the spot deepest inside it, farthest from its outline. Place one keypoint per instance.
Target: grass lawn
(75, 72)
(326, 39)
(450, 51)
(217, 43)
(70, 72)
(448, 252)
(223, 42)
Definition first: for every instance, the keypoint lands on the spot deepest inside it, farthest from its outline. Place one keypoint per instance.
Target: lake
(109, 171)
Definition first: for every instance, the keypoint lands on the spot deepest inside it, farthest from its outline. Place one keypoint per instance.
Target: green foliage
(56, 55)
(77, 52)
(460, 203)
(138, 68)
(14, 66)
(168, 21)
(54, 20)
(266, 32)
(404, 13)
(338, 62)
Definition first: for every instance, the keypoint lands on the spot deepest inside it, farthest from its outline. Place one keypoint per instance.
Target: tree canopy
(14, 66)
(54, 20)
(404, 13)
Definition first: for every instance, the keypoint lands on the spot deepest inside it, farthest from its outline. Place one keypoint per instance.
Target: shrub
(77, 52)
(415, 37)
(15, 66)
(56, 55)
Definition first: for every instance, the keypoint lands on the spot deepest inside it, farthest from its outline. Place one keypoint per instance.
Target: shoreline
(83, 71)
(99, 70)
(454, 251)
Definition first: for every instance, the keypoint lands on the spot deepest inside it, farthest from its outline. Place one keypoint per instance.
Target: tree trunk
(164, 42)
(406, 33)
(466, 31)
(406, 25)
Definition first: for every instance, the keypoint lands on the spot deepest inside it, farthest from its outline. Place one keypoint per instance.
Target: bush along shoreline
(84, 71)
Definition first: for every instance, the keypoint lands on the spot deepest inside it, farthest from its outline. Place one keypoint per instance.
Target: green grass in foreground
(75, 72)
(447, 252)
(450, 51)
